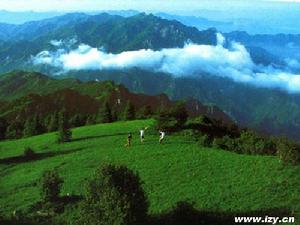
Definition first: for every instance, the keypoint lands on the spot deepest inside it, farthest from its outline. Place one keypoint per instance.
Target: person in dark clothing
(129, 138)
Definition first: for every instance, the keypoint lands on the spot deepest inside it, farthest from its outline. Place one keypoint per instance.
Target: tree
(15, 130)
(53, 123)
(165, 121)
(3, 127)
(129, 112)
(90, 120)
(287, 151)
(77, 120)
(145, 112)
(30, 127)
(51, 184)
(104, 114)
(179, 113)
(29, 153)
(64, 132)
(114, 196)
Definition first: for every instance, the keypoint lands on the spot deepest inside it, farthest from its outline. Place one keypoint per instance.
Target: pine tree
(90, 120)
(129, 112)
(3, 127)
(77, 120)
(180, 113)
(53, 123)
(51, 184)
(104, 114)
(64, 132)
(29, 128)
(145, 112)
(15, 130)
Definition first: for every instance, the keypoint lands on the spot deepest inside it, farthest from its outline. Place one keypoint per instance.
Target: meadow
(179, 170)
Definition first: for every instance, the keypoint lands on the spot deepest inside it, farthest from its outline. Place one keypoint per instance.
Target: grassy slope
(179, 170)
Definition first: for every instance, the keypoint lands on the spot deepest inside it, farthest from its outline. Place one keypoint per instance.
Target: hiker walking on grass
(162, 135)
(142, 134)
(129, 138)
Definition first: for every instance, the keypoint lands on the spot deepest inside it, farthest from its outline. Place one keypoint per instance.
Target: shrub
(205, 140)
(114, 196)
(129, 111)
(145, 112)
(105, 114)
(29, 153)
(64, 132)
(51, 184)
(172, 119)
(191, 134)
(288, 152)
(179, 113)
(219, 143)
(248, 143)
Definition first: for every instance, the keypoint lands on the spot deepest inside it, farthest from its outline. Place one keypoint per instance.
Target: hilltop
(180, 170)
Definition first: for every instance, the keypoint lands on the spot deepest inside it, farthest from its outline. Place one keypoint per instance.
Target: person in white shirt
(142, 134)
(161, 136)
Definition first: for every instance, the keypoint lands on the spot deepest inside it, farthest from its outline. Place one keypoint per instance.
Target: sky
(145, 5)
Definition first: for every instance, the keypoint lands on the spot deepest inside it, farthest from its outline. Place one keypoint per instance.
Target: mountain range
(269, 110)
(35, 93)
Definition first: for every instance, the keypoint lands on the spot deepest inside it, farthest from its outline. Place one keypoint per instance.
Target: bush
(166, 123)
(205, 141)
(248, 143)
(114, 196)
(51, 184)
(219, 143)
(129, 111)
(287, 151)
(179, 113)
(172, 119)
(64, 132)
(29, 153)
(145, 112)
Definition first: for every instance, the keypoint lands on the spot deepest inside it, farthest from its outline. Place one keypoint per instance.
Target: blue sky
(143, 5)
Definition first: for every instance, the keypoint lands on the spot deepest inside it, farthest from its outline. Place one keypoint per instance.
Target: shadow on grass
(99, 136)
(36, 156)
(185, 214)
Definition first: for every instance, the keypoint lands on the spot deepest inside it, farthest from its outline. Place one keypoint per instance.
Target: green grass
(179, 170)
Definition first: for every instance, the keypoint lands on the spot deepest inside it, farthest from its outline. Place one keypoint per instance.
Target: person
(129, 138)
(162, 135)
(142, 134)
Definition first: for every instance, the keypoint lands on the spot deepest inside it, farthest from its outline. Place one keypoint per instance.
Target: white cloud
(56, 43)
(191, 60)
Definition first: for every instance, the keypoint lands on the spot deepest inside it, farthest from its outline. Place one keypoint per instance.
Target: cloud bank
(233, 62)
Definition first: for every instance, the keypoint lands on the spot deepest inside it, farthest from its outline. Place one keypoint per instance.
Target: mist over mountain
(233, 62)
(236, 71)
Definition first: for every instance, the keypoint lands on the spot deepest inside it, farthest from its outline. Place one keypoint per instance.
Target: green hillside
(180, 170)
(18, 84)
(270, 111)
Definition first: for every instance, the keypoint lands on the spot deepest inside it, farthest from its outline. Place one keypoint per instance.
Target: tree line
(36, 124)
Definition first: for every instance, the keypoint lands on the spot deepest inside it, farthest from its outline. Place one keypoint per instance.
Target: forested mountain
(111, 32)
(38, 96)
(271, 110)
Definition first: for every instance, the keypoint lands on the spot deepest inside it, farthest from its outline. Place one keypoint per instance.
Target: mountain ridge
(38, 88)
